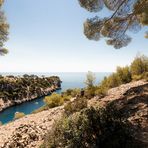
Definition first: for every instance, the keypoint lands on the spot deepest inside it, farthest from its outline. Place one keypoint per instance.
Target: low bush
(90, 79)
(137, 77)
(54, 100)
(90, 92)
(18, 115)
(45, 107)
(72, 92)
(101, 91)
(75, 105)
(91, 128)
(139, 66)
(124, 74)
(113, 81)
(145, 76)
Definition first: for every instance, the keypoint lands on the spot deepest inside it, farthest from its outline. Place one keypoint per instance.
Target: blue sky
(47, 36)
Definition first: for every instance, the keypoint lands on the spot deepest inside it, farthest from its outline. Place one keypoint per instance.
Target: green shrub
(111, 81)
(139, 65)
(1, 123)
(145, 76)
(137, 77)
(91, 128)
(75, 105)
(66, 97)
(54, 100)
(90, 92)
(72, 92)
(68, 92)
(75, 92)
(124, 74)
(101, 91)
(90, 79)
(45, 107)
(114, 80)
(18, 115)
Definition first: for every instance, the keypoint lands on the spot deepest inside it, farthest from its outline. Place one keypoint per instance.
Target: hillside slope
(131, 99)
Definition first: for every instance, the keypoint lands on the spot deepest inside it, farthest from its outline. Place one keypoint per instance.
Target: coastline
(8, 104)
(16, 90)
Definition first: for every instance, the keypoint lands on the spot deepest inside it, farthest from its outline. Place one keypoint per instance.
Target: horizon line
(59, 72)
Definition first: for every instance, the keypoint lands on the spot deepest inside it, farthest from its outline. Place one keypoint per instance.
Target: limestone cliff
(16, 90)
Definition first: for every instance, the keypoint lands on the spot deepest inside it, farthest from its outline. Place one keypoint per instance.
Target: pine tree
(126, 15)
(3, 30)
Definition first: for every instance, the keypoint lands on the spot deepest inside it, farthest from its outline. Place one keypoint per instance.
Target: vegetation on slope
(26, 87)
(91, 128)
(136, 71)
(18, 115)
(86, 127)
(54, 100)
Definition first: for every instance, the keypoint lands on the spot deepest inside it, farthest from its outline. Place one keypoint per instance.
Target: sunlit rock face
(16, 90)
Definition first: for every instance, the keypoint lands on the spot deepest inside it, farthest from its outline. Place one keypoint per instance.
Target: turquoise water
(69, 80)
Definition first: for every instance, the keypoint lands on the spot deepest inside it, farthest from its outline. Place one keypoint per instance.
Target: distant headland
(18, 89)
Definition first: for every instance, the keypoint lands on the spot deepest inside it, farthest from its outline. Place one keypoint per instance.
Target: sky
(47, 36)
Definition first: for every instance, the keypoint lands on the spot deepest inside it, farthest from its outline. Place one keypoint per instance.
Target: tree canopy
(90, 79)
(3, 30)
(126, 15)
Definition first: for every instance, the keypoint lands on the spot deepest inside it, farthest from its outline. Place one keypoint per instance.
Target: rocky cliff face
(16, 90)
(131, 99)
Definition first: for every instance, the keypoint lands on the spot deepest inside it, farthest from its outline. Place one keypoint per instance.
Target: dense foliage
(90, 79)
(139, 66)
(125, 15)
(136, 71)
(75, 106)
(3, 30)
(18, 88)
(55, 100)
(71, 92)
(91, 128)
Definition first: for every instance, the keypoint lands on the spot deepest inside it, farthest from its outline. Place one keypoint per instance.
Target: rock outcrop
(132, 102)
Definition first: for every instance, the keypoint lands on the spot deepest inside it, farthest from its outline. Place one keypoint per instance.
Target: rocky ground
(29, 131)
(132, 101)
